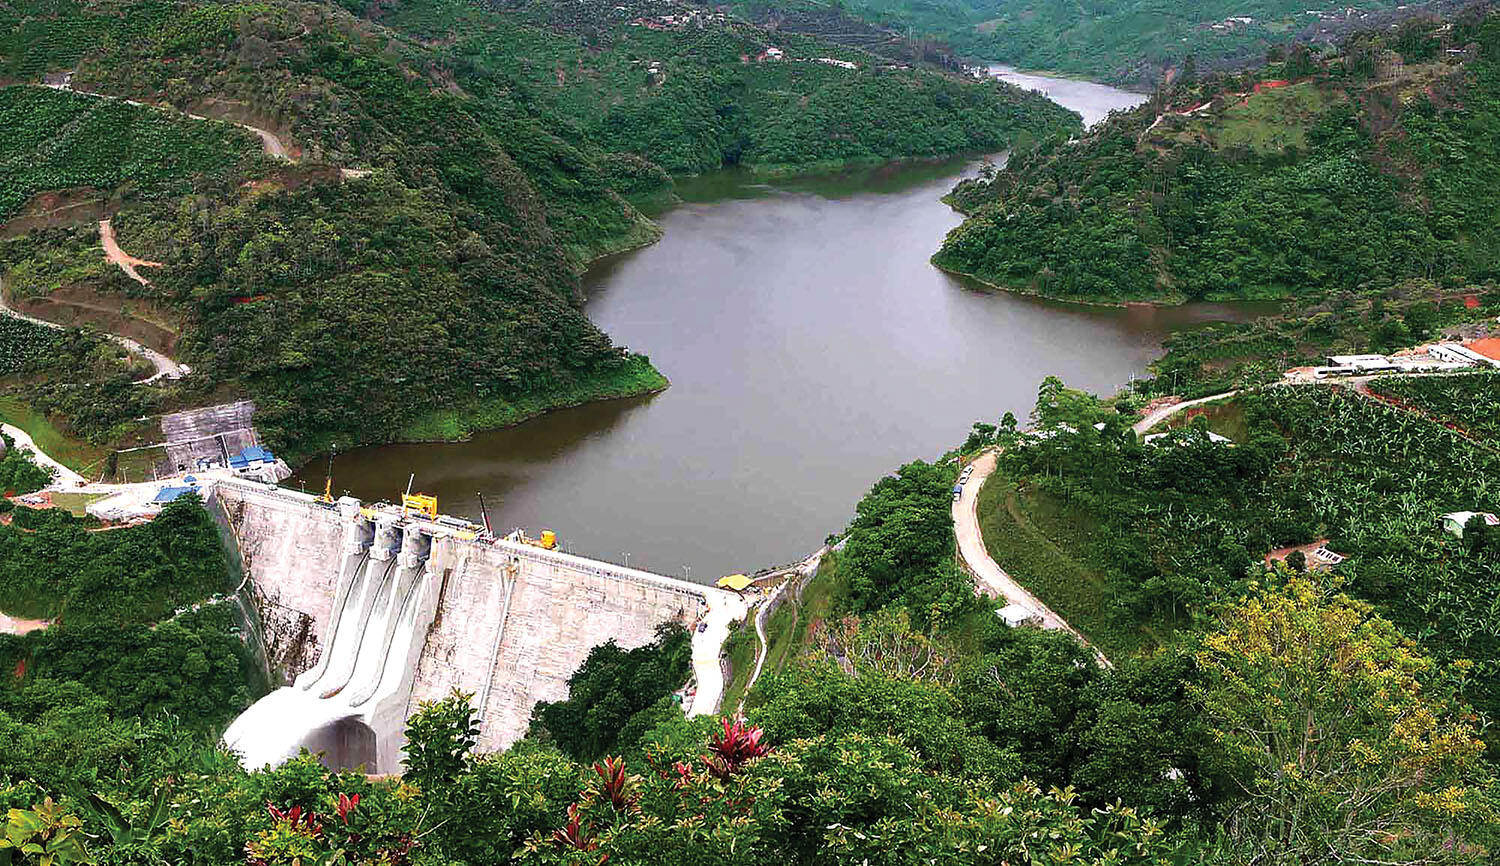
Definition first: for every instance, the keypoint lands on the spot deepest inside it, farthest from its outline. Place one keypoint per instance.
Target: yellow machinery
(548, 541)
(421, 503)
(736, 582)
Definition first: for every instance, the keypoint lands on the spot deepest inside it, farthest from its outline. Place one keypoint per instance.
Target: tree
(610, 688)
(1341, 736)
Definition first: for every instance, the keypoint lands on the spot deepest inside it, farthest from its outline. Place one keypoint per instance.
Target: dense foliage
(25, 347)
(54, 565)
(1131, 542)
(610, 690)
(438, 295)
(1364, 170)
(1128, 41)
(19, 473)
(1468, 404)
(900, 547)
(56, 140)
(844, 785)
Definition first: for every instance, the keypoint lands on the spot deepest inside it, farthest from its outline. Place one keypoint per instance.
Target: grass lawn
(740, 649)
(782, 636)
(1272, 120)
(75, 454)
(1038, 543)
(76, 503)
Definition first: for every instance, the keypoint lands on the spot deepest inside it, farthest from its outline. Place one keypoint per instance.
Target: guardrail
(595, 567)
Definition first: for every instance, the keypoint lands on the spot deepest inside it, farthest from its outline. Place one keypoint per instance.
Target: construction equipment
(485, 514)
(327, 497)
(421, 503)
(548, 541)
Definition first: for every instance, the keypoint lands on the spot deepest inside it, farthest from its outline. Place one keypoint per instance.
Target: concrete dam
(369, 610)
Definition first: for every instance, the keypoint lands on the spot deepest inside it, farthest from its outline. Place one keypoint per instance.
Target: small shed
(1455, 522)
(172, 494)
(1017, 615)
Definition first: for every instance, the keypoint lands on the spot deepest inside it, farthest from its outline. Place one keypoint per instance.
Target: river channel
(812, 348)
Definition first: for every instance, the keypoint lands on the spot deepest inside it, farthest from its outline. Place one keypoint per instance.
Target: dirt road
(117, 256)
(166, 368)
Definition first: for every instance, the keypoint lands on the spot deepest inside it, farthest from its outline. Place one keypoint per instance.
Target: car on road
(958, 490)
(702, 627)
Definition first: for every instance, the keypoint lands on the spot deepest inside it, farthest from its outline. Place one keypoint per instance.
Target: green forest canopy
(438, 294)
(1376, 166)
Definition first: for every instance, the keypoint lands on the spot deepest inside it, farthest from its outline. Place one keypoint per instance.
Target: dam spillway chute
(351, 704)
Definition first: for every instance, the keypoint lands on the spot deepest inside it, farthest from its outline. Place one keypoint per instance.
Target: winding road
(1143, 426)
(977, 557)
(166, 368)
(61, 473)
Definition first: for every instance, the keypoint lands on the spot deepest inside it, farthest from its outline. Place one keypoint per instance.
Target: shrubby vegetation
(1224, 356)
(19, 473)
(844, 784)
(1134, 543)
(1363, 171)
(615, 695)
(56, 140)
(1468, 403)
(57, 566)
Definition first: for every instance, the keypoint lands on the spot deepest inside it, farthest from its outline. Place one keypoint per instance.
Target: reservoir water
(812, 348)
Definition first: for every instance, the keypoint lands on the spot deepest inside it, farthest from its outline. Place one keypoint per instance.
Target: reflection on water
(812, 348)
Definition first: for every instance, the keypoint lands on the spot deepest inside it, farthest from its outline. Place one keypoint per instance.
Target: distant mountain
(1122, 41)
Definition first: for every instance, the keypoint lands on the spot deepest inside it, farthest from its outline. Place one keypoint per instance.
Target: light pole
(687, 573)
(627, 559)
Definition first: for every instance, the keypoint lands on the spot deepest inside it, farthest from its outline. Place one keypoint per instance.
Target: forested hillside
(1365, 169)
(1123, 41)
(410, 271)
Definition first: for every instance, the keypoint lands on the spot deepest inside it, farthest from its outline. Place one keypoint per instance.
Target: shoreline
(1031, 293)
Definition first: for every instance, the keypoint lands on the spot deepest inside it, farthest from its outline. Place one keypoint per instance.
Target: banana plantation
(1166, 531)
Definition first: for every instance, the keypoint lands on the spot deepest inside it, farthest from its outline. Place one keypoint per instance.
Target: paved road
(723, 609)
(977, 557)
(62, 474)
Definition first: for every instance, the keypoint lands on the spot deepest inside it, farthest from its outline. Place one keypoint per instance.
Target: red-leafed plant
(614, 784)
(346, 805)
(577, 834)
(735, 747)
(295, 816)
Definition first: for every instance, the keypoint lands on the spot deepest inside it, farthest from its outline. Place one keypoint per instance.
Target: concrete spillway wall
(515, 624)
(372, 615)
(291, 549)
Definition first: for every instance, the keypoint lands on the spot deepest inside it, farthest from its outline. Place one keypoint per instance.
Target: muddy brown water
(812, 348)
